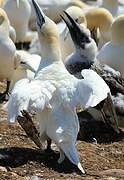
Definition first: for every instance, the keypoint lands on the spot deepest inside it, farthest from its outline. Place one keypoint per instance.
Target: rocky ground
(21, 160)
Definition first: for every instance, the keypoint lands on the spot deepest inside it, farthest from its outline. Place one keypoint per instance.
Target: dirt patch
(22, 159)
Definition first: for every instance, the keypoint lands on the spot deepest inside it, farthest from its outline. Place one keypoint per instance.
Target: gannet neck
(48, 35)
(117, 31)
(89, 52)
(4, 24)
(99, 18)
(110, 3)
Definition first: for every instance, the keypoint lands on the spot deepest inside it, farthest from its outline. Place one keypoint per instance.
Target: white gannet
(112, 53)
(102, 19)
(54, 93)
(19, 12)
(67, 46)
(53, 9)
(7, 50)
(85, 51)
(26, 68)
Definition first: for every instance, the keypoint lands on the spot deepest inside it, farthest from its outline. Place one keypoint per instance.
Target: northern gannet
(112, 53)
(67, 46)
(53, 9)
(54, 93)
(19, 12)
(85, 51)
(102, 19)
(7, 51)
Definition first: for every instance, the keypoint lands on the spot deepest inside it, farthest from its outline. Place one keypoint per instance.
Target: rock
(34, 178)
(119, 173)
(110, 178)
(3, 169)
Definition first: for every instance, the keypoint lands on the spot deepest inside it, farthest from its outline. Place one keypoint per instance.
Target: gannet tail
(72, 154)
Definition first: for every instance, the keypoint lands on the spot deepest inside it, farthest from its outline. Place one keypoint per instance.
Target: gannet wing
(85, 93)
(28, 95)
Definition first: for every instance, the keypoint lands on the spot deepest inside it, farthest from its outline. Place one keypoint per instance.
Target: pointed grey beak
(78, 35)
(27, 66)
(39, 14)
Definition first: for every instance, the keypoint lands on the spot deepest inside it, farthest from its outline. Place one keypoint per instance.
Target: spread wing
(87, 92)
(28, 95)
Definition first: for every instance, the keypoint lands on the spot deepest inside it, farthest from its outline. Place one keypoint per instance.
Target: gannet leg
(62, 157)
(3, 95)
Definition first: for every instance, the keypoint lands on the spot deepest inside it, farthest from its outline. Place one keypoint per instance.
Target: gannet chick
(53, 9)
(67, 45)
(113, 7)
(102, 19)
(27, 67)
(19, 12)
(54, 93)
(7, 51)
(112, 53)
(85, 48)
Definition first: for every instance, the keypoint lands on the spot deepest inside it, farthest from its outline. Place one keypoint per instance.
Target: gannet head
(99, 18)
(77, 14)
(81, 37)
(4, 23)
(80, 34)
(117, 31)
(48, 34)
(21, 60)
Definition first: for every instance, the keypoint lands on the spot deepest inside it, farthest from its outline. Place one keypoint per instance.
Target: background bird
(112, 52)
(19, 13)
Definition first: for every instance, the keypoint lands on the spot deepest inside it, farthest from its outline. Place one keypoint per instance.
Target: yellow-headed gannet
(54, 93)
(102, 19)
(112, 53)
(19, 12)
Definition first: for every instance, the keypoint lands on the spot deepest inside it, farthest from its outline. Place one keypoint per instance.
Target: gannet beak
(17, 2)
(39, 14)
(77, 34)
(27, 66)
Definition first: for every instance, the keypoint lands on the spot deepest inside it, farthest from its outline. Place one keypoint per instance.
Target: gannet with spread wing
(54, 93)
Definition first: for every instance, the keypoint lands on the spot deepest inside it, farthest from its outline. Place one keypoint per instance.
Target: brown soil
(22, 159)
